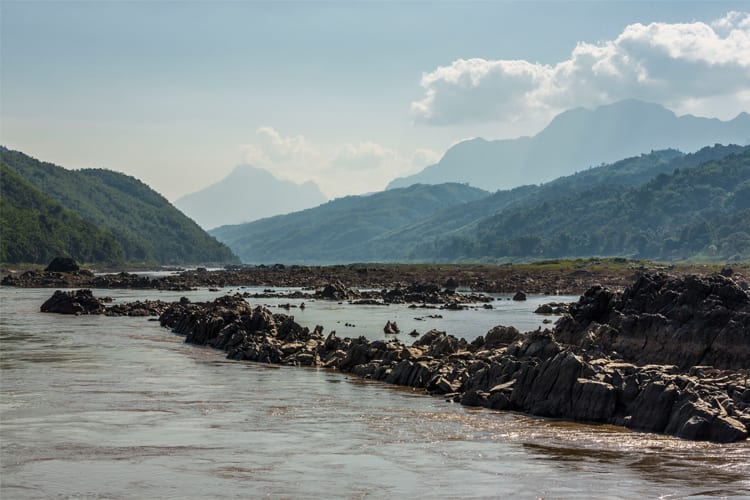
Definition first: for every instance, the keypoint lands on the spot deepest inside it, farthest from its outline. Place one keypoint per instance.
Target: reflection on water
(120, 408)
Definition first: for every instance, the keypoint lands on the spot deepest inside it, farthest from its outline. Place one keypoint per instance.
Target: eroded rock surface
(683, 321)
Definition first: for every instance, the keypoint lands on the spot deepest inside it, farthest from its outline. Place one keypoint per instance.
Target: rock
(684, 321)
(474, 398)
(519, 296)
(391, 328)
(62, 265)
(336, 291)
(75, 302)
(501, 336)
(544, 309)
(726, 271)
(450, 284)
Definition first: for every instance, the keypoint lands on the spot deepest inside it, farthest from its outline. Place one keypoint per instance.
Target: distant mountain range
(664, 204)
(575, 140)
(338, 230)
(93, 215)
(248, 194)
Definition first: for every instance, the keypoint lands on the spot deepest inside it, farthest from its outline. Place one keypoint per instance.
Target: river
(100, 407)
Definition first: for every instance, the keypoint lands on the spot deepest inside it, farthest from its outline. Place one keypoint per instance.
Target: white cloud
(677, 65)
(339, 169)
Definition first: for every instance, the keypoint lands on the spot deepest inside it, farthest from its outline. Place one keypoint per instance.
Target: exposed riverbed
(121, 408)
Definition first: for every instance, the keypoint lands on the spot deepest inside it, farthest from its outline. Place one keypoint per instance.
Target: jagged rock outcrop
(504, 369)
(667, 355)
(75, 302)
(684, 321)
(84, 302)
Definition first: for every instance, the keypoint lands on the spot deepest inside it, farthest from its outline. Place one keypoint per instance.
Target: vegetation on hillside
(647, 206)
(144, 223)
(701, 212)
(35, 228)
(336, 231)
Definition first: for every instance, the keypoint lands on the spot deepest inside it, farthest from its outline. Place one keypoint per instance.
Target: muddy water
(120, 408)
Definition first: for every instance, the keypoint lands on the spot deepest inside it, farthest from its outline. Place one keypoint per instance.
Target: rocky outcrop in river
(667, 355)
(563, 373)
(684, 321)
(84, 302)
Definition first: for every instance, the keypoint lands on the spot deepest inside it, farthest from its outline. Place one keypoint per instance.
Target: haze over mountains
(575, 140)
(338, 230)
(246, 194)
(664, 204)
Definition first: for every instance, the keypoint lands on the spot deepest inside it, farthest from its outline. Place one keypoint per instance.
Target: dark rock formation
(84, 302)
(552, 308)
(62, 265)
(391, 328)
(138, 308)
(76, 302)
(534, 372)
(685, 321)
(336, 291)
(519, 296)
(667, 355)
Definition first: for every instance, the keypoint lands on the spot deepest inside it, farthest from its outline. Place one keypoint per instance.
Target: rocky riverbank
(667, 355)
(550, 278)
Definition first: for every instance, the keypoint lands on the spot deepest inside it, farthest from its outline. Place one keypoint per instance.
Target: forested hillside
(698, 212)
(35, 228)
(336, 231)
(143, 223)
(593, 212)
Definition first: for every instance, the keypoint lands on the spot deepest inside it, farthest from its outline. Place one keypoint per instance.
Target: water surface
(102, 407)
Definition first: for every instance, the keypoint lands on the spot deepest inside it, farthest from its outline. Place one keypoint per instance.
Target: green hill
(35, 228)
(338, 231)
(575, 216)
(445, 235)
(147, 227)
(697, 212)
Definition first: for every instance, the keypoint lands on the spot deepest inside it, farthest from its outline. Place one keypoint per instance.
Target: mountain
(697, 212)
(575, 140)
(630, 172)
(336, 231)
(248, 194)
(35, 228)
(144, 224)
(536, 221)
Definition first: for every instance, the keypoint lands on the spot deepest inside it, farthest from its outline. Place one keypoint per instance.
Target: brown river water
(97, 407)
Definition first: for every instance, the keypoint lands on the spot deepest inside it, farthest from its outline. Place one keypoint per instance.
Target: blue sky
(347, 94)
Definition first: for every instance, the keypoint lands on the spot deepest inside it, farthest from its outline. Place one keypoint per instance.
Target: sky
(347, 94)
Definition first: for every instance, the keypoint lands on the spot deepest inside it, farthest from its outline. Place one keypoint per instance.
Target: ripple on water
(120, 408)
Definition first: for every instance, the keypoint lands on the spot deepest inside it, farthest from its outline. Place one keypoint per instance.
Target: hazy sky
(348, 94)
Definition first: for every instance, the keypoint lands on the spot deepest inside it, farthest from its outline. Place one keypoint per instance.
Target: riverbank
(553, 277)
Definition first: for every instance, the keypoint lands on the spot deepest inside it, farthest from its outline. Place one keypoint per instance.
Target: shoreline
(551, 277)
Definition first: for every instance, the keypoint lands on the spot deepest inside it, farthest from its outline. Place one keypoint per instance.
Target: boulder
(75, 302)
(62, 265)
(391, 328)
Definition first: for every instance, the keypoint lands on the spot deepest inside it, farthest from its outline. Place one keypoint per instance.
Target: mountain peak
(246, 194)
(575, 140)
